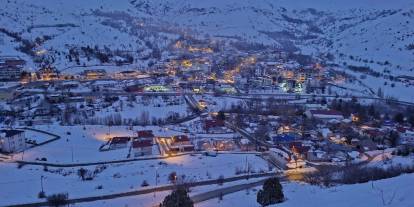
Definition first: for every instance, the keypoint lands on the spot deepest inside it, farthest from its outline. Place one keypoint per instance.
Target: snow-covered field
(118, 177)
(395, 192)
(83, 143)
(386, 159)
(152, 108)
(154, 199)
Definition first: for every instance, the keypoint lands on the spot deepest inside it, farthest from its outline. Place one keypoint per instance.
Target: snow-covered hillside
(378, 34)
(358, 32)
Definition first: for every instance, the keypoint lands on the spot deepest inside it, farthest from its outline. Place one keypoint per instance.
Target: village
(208, 112)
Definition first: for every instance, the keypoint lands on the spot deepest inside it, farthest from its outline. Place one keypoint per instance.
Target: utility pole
(71, 149)
(156, 181)
(109, 131)
(41, 182)
(246, 164)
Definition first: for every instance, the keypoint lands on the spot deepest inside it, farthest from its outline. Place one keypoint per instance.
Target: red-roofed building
(374, 134)
(213, 123)
(145, 135)
(180, 143)
(141, 148)
(180, 140)
(401, 129)
(119, 142)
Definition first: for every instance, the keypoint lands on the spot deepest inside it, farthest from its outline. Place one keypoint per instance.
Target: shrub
(178, 198)
(144, 183)
(82, 173)
(41, 194)
(220, 180)
(172, 177)
(57, 200)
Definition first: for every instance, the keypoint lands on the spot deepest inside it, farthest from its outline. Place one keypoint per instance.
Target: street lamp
(156, 181)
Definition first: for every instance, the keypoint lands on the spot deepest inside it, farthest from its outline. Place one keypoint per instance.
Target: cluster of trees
(260, 106)
(407, 118)
(104, 55)
(116, 119)
(353, 107)
(86, 174)
(56, 200)
(364, 69)
(26, 46)
(373, 111)
(403, 151)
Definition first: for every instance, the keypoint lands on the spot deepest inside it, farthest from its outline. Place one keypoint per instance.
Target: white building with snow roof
(12, 140)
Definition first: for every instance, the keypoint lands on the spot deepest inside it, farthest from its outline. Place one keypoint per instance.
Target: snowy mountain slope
(366, 30)
(63, 25)
(358, 32)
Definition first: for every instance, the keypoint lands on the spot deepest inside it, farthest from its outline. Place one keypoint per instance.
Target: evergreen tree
(178, 198)
(393, 138)
(221, 115)
(371, 111)
(271, 193)
(82, 173)
(411, 120)
(380, 93)
(399, 118)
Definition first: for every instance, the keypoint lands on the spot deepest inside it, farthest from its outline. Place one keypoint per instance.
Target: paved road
(189, 98)
(224, 191)
(239, 95)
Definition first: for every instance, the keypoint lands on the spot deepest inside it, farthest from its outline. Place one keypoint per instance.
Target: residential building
(11, 68)
(95, 74)
(145, 135)
(119, 142)
(12, 140)
(213, 123)
(407, 137)
(141, 147)
(180, 143)
(48, 74)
